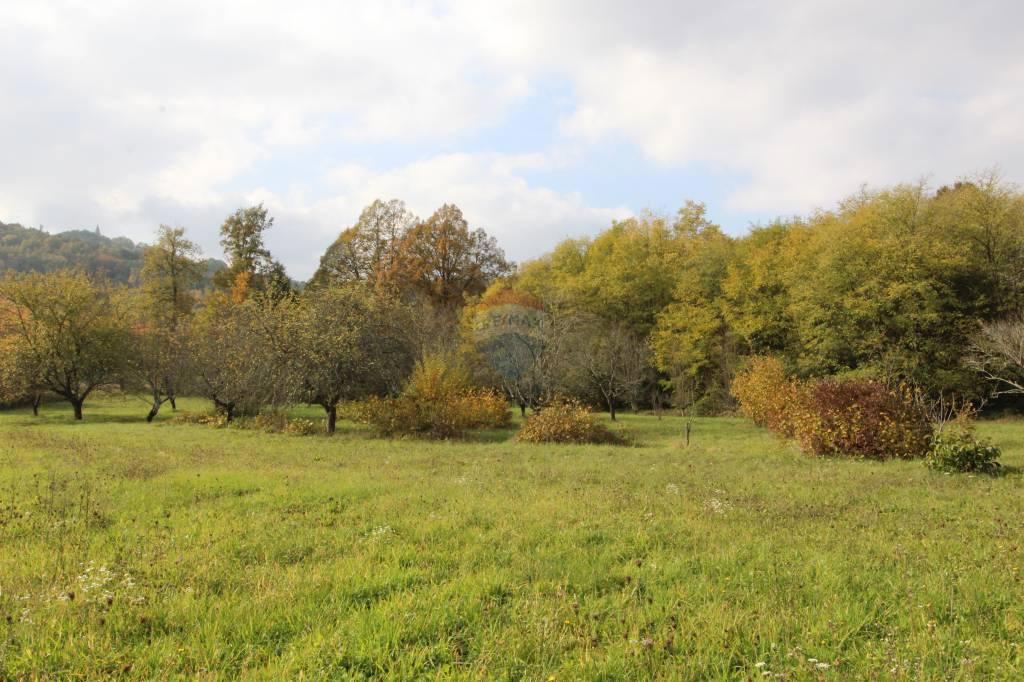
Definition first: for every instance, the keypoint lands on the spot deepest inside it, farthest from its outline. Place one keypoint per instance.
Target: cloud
(527, 220)
(806, 101)
(129, 113)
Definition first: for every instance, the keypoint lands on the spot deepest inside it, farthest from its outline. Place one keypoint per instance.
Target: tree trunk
(174, 402)
(332, 417)
(77, 405)
(522, 410)
(37, 399)
(611, 408)
(153, 412)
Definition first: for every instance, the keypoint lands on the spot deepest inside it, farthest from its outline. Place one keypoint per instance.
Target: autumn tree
(19, 378)
(446, 261)
(251, 268)
(160, 313)
(342, 343)
(608, 358)
(234, 355)
(70, 330)
(997, 352)
(368, 251)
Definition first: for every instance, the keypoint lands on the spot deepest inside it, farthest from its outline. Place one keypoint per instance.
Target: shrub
(860, 418)
(849, 417)
(566, 422)
(767, 396)
(959, 450)
(437, 402)
(274, 422)
(199, 418)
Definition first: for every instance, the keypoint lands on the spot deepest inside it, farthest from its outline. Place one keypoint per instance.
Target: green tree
(71, 332)
(251, 268)
(342, 343)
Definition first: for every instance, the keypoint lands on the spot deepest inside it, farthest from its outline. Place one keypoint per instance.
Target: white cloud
(131, 113)
(527, 220)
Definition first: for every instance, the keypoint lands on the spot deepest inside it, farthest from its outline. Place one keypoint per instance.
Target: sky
(541, 119)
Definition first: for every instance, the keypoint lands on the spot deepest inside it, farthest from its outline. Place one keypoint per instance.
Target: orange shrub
(438, 402)
(861, 418)
(567, 422)
(833, 417)
(768, 397)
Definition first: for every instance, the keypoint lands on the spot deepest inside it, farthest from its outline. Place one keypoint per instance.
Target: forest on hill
(119, 259)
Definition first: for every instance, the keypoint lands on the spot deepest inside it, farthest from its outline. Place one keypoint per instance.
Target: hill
(27, 249)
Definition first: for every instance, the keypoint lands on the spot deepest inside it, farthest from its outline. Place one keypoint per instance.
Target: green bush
(959, 450)
(437, 402)
(566, 422)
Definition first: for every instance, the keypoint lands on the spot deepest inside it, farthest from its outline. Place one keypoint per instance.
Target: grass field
(153, 551)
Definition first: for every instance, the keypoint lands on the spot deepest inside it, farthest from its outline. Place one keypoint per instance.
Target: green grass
(201, 552)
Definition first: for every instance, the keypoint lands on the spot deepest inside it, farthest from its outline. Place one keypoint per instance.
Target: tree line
(912, 286)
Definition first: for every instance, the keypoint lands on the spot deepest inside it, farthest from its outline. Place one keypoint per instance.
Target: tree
(160, 313)
(251, 268)
(235, 357)
(171, 270)
(446, 261)
(367, 251)
(343, 343)
(70, 330)
(998, 354)
(609, 358)
(19, 381)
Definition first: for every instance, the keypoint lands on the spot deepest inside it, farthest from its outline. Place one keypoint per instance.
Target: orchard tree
(71, 332)
(610, 359)
(998, 354)
(160, 314)
(343, 343)
(19, 379)
(235, 355)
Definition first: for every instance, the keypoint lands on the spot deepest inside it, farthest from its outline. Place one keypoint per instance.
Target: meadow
(152, 551)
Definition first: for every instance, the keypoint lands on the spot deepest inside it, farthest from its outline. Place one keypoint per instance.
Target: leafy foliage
(861, 418)
(959, 450)
(844, 417)
(67, 333)
(566, 421)
(437, 402)
(767, 396)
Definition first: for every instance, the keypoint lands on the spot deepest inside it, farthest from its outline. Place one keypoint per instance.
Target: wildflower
(760, 664)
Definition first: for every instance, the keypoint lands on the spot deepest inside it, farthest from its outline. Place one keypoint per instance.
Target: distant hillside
(26, 249)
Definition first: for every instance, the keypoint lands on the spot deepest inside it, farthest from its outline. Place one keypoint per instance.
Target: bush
(848, 417)
(860, 418)
(274, 422)
(767, 396)
(437, 402)
(198, 418)
(959, 450)
(566, 422)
